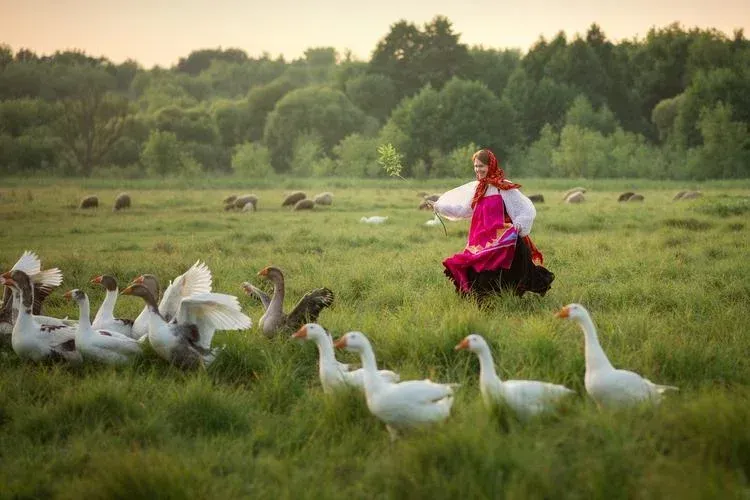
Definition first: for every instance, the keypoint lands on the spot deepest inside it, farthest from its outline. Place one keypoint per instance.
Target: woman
(499, 252)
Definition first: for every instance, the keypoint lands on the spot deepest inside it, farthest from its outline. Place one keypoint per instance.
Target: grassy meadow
(667, 283)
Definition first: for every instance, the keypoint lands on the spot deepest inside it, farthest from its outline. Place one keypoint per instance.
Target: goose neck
(596, 359)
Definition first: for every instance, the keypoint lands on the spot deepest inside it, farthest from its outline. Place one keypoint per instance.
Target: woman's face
(480, 169)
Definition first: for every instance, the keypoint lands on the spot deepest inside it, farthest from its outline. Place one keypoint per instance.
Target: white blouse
(456, 205)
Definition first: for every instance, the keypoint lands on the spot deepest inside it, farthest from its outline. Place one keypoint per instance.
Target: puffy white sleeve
(520, 210)
(456, 203)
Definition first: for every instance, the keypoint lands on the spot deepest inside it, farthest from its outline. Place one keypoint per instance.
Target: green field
(667, 283)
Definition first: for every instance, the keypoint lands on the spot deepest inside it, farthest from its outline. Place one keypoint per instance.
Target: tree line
(675, 104)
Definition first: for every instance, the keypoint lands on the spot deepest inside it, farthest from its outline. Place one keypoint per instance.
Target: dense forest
(674, 105)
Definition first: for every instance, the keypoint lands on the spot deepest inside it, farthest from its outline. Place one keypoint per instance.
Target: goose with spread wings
(186, 340)
(42, 282)
(274, 319)
(196, 280)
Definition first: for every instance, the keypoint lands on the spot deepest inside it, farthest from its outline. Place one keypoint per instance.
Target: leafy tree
(307, 151)
(492, 67)
(163, 154)
(374, 94)
(200, 60)
(725, 153)
(414, 58)
(538, 160)
(252, 159)
(536, 104)
(313, 110)
(6, 55)
(261, 101)
(231, 118)
(357, 156)
(582, 153)
(92, 118)
(664, 116)
(582, 114)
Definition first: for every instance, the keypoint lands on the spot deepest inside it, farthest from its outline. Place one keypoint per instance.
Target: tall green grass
(667, 283)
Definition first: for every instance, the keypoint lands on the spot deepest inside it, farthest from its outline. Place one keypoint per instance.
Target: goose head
(271, 273)
(311, 331)
(575, 312)
(19, 281)
(473, 343)
(75, 294)
(150, 282)
(141, 291)
(106, 281)
(353, 342)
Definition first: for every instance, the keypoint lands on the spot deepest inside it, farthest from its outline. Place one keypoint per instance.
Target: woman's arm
(520, 210)
(456, 203)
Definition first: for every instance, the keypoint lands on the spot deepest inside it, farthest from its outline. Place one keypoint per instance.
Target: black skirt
(523, 276)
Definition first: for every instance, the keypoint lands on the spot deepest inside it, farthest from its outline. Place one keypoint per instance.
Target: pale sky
(161, 31)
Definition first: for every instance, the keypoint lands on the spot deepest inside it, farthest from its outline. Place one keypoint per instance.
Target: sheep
(636, 197)
(324, 198)
(122, 201)
(575, 197)
(243, 201)
(293, 198)
(537, 198)
(230, 199)
(691, 195)
(89, 202)
(625, 196)
(574, 190)
(304, 205)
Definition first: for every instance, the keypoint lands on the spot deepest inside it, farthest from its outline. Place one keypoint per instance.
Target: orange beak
(563, 313)
(139, 280)
(128, 290)
(301, 333)
(340, 343)
(263, 272)
(69, 294)
(464, 344)
(98, 279)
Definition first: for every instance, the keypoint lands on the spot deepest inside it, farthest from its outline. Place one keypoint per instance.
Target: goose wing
(42, 281)
(115, 341)
(195, 280)
(421, 391)
(210, 312)
(250, 289)
(309, 307)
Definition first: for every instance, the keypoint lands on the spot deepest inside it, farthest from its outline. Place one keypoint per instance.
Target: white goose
(403, 405)
(334, 374)
(186, 340)
(195, 280)
(105, 316)
(606, 385)
(109, 347)
(43, 282)
(525, 397)
(30, 339)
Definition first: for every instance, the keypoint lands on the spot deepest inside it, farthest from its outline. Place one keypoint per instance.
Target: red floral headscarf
(495, 177)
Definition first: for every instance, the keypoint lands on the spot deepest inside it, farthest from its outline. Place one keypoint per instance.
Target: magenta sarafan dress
(491, 245)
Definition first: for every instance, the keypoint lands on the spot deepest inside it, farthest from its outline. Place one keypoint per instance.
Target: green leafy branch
(390, 160)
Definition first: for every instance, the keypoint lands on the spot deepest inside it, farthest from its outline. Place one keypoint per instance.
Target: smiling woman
(499, 252)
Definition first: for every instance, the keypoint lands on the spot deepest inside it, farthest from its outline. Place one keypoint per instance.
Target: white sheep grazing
(375, 219)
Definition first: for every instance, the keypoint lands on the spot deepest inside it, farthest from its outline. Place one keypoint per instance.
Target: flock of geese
(180, 329)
